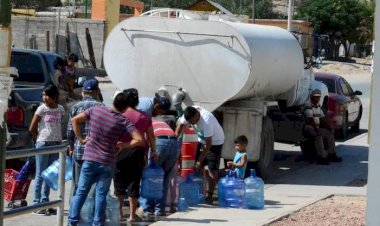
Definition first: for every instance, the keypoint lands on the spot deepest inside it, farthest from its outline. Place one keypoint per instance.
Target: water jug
(24, 172)
(221, 188)
(142, 203)
(234, 192)
(87, 212)
(51, 174)
(199, 180)
(182, 205)
(254, 191)
(189, 190)
(112, 211)
(152, 183)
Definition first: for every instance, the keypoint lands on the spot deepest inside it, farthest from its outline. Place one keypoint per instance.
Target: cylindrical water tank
(213, 61)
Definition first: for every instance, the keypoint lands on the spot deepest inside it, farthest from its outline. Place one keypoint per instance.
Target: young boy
(240, 160)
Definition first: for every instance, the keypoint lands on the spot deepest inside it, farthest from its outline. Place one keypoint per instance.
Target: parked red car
(344, 107)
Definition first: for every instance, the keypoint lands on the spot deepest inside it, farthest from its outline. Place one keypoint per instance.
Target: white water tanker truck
(254, 76)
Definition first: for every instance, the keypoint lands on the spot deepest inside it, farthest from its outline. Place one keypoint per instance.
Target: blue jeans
(41, 189)
(168, 152)
(92, 172)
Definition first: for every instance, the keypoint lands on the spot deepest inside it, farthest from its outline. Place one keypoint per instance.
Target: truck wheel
(267, 146)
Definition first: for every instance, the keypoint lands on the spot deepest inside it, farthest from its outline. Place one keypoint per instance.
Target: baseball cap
(162, 101)
(90, 85)
(315, 93)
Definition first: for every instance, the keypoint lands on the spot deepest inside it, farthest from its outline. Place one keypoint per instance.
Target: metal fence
(61, 149)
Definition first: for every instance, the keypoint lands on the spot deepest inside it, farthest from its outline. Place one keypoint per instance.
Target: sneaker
(52, 211)
(334, 158)
(41, 212)
(141, 213)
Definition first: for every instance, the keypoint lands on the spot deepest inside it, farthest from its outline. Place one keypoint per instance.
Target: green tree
(263, 8)
(344, 21)
(35, 4)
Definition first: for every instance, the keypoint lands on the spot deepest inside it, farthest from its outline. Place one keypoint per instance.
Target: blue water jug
(189, 190)
(51, 174)
(112, 211)
(182, 204)
(221, 188)
(24, 172)
(234, 192)
(201, 191)
(254, 191)
(152, 183)
(87, 212)
(143, 203)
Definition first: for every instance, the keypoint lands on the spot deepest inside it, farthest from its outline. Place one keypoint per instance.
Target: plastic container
(234, 192)
(152, 183)
(201, 191)
(87, 212)
(142, 202)
(52, 172)
(254, 191)
(112, 211)
(221, 188)
(182, 205)
(189, 190)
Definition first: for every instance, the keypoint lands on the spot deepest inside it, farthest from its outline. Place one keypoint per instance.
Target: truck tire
(267, 146)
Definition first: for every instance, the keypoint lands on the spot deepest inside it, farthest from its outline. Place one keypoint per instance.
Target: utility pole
(5, 48)
(373, 196)
(253, 11)
(290, 14)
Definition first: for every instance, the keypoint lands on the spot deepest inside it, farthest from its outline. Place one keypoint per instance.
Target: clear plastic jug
(189, 190)
(234, 192)
(152, 183)
(112, 211)
(254, 191)
(51, 174)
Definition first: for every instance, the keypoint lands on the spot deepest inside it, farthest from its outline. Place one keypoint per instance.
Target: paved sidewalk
(283, 196)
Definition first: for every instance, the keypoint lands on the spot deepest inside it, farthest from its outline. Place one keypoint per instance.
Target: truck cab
(36, 70)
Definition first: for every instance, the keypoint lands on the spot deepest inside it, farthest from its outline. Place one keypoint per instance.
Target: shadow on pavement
(354, 167)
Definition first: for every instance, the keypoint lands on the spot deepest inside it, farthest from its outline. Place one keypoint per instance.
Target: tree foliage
(263, 8)
(35, 4)
(344, 21)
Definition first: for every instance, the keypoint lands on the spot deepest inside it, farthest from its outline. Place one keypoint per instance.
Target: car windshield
(29, 67)
(329, 83)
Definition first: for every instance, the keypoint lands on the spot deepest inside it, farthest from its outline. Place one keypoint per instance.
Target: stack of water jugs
(236, 193)
(191, 191)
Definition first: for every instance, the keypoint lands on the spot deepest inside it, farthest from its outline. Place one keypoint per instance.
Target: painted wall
(25, 27)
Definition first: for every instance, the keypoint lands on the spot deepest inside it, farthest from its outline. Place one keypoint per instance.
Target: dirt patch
(334, 211)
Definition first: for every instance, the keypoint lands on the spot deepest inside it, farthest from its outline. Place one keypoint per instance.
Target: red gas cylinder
(188, 150)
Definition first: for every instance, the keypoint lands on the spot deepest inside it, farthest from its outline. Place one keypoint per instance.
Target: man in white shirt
(205, 121)
(320, 130)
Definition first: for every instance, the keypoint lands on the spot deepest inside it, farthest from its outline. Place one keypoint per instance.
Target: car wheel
(356, 128)
(342, 132)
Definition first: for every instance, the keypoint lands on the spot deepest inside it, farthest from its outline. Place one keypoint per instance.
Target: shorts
(212, 158)
(128, 173)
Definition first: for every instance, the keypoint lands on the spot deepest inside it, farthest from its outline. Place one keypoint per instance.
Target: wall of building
(24, 28)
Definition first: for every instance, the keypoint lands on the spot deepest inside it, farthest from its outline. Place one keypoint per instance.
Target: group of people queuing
(116, 143)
